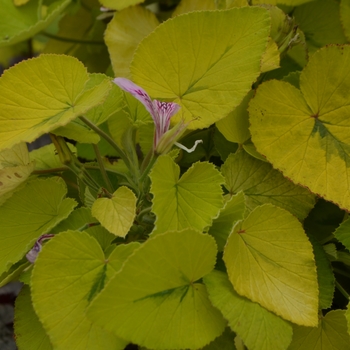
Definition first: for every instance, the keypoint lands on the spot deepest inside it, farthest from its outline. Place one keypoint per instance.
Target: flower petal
(164, 111)
(137, 92)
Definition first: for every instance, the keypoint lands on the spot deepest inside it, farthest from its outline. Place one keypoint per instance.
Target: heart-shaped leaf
(117, 213)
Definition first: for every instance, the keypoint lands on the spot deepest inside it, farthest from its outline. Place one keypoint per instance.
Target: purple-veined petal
(137, 92)
(164, 112)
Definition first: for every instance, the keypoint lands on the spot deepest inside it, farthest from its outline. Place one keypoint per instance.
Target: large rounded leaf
(193, 200)
(204, 60)
(68, 273)
(28, 214)
(157, 300)
(269, 260)
(43, 93)
(306, 133)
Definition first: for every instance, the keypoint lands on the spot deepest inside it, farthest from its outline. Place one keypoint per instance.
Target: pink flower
(161, 112)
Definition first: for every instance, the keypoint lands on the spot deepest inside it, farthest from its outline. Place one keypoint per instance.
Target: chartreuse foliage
(36, 218)
(41, 94)
(304, 132)
(185, 75)
(170, 307)
(190, 201)
(189, 211)
(20, 23)
(30, 333)
(257, 327)
(264, 263)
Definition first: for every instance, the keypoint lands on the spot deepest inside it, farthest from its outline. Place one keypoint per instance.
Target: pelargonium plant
(195, 192)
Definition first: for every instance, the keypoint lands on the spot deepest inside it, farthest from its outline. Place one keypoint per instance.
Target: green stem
(102, 169)
(342, 290)
(148, 169)
(49, 171)
(108, 139)
(341, 272)
(143, 212)
(71, 40)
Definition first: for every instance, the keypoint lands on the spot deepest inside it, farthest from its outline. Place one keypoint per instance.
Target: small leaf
(269, 260)
(258, 328)
(72, 268)
(41, 206)
(331, 334)
(193, 200)
(41, 94)
(208, 83)
(30, 334)
(158, 297)
(116, 214)
(262, 184)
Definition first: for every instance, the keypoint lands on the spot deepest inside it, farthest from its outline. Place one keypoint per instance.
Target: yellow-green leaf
(257, 327)
(116, 214)
(158, 296)
(68, 273)
(204, 60)
(270, 260)
(15, 168)
(30, 334)
(193, 200)
(331, 334)
(304, 133)
(271, 57)
(119, 4)
(261, 184)
(124, 32)
(320, 22)
(43, 93)
(193, 5)
(20, 23)
(235, 127)
(232, 212)
(40, 205)
(345, 17)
